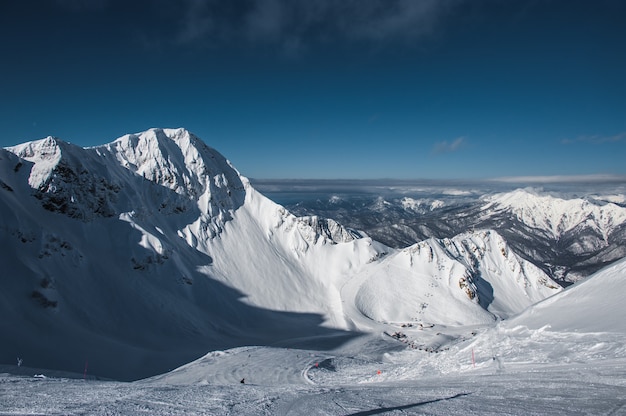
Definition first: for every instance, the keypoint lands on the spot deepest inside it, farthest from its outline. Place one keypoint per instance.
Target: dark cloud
(83, 5)
(198, 21)
(293, 24)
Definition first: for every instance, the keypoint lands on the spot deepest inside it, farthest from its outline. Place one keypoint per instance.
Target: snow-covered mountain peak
(558, 215)
(42, 148)
(45, 154)
(178, 160)
(107, 180)
(197, 176)
(329, 228)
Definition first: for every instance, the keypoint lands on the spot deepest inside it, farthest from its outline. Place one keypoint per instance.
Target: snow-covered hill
(468, 270)
(142, 254)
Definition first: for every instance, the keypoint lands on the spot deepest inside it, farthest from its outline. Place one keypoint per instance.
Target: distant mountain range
(142, 254)
(567, 235)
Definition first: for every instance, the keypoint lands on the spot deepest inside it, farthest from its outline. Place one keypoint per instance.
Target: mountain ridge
(567, 235)
(559, 215)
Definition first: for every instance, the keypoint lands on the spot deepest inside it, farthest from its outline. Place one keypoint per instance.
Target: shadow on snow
(405, 407)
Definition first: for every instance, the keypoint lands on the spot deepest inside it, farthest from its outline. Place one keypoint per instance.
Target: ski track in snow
(558, 390)
(257, 365)
(517, 371)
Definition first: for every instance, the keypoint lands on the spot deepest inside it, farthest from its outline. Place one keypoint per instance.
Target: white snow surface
(572, 366)
(471, 269)
(589, 306)
(131, 259)
(416, 205)
(558, 215)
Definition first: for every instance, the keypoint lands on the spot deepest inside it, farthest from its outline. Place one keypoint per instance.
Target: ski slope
(576, 366)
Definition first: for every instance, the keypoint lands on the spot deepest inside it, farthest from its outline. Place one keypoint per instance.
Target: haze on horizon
(355, 89)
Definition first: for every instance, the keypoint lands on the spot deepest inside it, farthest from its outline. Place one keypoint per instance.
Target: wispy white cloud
(449, 147)
(597, 139)
(562, 178)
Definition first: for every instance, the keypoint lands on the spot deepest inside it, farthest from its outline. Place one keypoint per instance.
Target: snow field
(534, 390)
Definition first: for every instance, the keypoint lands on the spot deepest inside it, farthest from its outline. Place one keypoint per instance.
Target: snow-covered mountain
(559, 216)
(571, 237)
(142, 254)
(567, 235)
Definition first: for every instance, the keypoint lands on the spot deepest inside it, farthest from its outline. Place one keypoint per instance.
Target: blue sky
(329, 89)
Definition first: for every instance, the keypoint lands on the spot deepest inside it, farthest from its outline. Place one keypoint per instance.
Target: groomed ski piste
(314, 323)
(565, 355)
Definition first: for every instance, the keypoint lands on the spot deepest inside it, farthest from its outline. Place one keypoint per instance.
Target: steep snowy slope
(593, 305)
(468, 270)
(142, 254)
